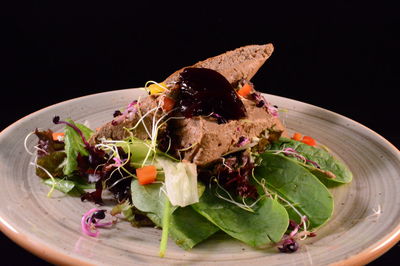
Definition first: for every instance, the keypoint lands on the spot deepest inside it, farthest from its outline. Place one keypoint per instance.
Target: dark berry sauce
(206, 92)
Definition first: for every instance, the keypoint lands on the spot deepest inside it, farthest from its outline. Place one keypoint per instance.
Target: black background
(339, 56)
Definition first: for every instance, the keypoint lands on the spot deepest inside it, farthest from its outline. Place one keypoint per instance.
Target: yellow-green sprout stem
(49, 174)
(112, 146)
(230, 199)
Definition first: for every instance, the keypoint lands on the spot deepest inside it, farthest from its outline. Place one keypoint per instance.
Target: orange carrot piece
(56, 135)
(146, 174)
(296, 136)
(309, 140)
(245, 90)
(169, 104)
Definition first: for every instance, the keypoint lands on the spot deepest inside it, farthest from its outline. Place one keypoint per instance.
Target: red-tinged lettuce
(100, 169)
(46, 143)
(75, 144)
(50, 154)
(52, 162)
(78, 162)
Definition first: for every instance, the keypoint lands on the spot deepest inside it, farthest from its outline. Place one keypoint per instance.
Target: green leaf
(82, 184)
(264, 226)
(131, 214)
(66, 186)
(180, 181)
(52, 163)
(140, 150)
(328, 163)
(148, 199)
(190, 228)
(298, 186)
(187, 227)
(74, 145)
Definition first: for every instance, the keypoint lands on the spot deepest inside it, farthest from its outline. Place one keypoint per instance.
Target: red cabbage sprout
(90, 222)
(296, 154)
(129, 111)
(56, 120)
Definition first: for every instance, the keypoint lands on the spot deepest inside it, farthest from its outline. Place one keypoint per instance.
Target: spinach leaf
(298, 186)
(328, 163)
(190, 228)
(74, 145)
(187, 227)
(265, 225)
(68, 186)
(149, 199)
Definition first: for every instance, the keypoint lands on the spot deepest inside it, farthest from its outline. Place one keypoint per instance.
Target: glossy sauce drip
(206, 92)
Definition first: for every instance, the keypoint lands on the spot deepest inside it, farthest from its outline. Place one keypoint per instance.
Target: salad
(203, 150)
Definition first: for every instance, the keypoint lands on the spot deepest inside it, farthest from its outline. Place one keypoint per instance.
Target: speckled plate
(365, 224)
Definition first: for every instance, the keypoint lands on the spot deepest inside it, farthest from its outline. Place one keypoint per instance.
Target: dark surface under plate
(340, 57)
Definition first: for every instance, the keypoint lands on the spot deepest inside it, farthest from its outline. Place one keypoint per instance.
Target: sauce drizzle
(206, 92)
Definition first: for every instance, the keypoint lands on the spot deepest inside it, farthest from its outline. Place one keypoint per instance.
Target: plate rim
(51, 254)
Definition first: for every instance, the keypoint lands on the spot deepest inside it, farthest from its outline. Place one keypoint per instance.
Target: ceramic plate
(365, 224)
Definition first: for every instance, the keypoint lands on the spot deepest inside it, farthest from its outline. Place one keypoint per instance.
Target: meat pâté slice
(203, 139)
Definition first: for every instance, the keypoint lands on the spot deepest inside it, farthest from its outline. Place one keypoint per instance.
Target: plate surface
(365, 224)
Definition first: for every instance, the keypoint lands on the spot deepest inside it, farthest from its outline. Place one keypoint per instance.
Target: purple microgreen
(242, 141)
(117, 113)
(234, 174)
(56, 120)
(118, 162)
(260, 104)
(315, 164)
(220, 119)
(288, 245)
(128, 112)
(91, 221)
(296, 154)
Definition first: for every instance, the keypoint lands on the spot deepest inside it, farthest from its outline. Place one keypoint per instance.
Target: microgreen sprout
(49, 174)
(35, 147)
(376, 213)
(118, 162)
(90, 222)
(56, 120)
(154, 133)
(118, 181)
(112, 146)
(288, 245)
(26, 142)
(242, 141)
(142, 117)
(169, 144)
(156, 124)
(292, 152)
(224, 164)
(130, 110)
(230, 199)
(303, 218)
(188, 148)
